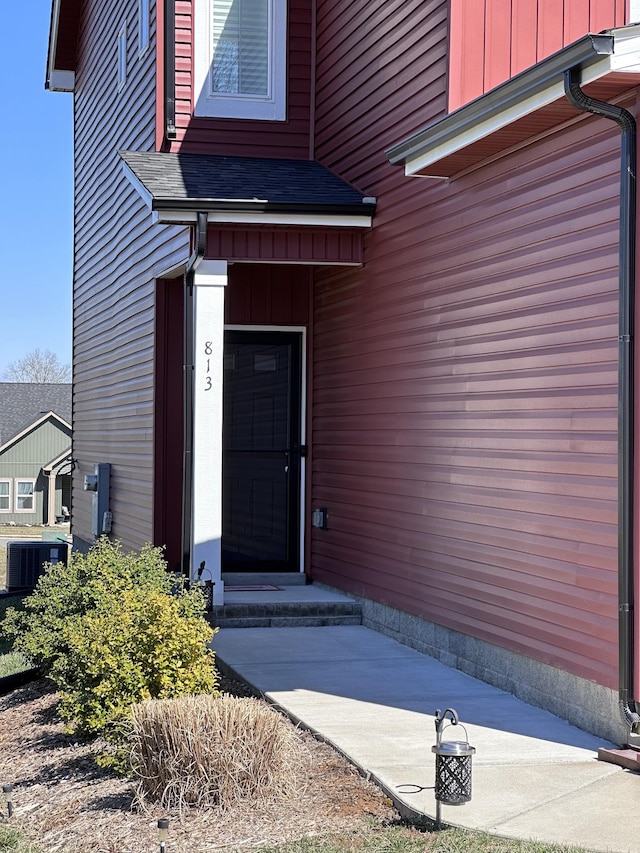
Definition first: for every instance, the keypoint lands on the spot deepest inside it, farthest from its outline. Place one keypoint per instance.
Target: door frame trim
(303, 332)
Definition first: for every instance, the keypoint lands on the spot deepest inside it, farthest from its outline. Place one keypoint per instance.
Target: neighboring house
(35, 452)
(297, 355)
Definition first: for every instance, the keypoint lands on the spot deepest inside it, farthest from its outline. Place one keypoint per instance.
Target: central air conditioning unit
(25, 561)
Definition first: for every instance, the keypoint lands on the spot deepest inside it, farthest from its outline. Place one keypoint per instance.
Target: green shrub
(7, 601)
(109, 632)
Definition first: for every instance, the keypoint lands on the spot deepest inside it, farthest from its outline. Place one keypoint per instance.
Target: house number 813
(208, 350)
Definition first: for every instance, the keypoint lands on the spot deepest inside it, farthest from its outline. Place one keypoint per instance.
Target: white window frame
(122, 56)
(144, 27)
(17, 494)
(272, 107)
(9, 496)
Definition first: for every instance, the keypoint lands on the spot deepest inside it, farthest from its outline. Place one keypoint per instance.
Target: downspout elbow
(630, 717)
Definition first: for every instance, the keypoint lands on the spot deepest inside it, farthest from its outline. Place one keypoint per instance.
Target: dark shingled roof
(23, 403)
(210, 182)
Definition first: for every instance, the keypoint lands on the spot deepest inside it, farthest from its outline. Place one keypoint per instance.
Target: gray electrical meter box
(98, 483)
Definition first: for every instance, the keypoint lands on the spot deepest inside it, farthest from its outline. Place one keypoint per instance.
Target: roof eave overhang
(431, 151)
(252, 211)
(60, 74)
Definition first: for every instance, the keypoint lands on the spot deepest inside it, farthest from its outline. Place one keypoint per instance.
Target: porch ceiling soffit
(525, 107)
(245, 190)
(63, 39)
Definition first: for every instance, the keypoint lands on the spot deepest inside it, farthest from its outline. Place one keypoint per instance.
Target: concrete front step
(286, 615)
(287, 622)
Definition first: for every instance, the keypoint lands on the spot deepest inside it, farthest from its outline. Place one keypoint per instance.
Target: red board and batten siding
(464, 418)
(288, 138)
(517, 34)
(285, 244)
(116, 251)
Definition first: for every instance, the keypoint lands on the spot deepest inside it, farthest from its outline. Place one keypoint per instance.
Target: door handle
(300, 449)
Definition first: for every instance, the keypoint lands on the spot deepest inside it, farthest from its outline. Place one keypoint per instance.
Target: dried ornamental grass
(213, 751)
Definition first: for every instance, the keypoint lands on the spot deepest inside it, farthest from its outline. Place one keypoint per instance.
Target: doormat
(253, 588)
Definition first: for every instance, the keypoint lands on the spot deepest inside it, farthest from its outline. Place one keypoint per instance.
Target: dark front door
(261, 451)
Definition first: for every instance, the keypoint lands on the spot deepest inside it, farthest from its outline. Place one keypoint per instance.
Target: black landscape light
(207, 588)
(163, 831)
(453, 765)
(7, 790)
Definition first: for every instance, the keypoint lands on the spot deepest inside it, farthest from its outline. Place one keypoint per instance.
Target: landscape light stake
(163, 831)
(453, 766)
(7, 791)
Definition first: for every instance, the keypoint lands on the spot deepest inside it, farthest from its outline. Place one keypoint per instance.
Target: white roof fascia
(62, 81)
(338, 220)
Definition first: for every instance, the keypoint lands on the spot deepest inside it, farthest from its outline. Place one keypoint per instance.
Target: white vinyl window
(122, 56)
(143, 26)
(5, 495)
(25, 495)
(240, 59)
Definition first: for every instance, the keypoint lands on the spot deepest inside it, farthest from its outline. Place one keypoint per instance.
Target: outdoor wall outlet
(319, 518)
(107, 520)
(91, 482)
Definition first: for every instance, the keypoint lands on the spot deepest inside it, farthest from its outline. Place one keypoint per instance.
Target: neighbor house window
(122, 57)
(143, 26)
(25, 495)
(5, 495)
(240, 59)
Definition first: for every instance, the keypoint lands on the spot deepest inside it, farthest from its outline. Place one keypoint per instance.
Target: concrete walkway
(534, 775)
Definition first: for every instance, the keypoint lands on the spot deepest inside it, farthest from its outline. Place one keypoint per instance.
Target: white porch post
(51, 497)
(209, 282)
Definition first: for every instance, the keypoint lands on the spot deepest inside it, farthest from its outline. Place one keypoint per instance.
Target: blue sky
(36, 172)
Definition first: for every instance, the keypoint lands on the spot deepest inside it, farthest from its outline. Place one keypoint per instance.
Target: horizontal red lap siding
(288, 138)
(516, 36)
(464, 403)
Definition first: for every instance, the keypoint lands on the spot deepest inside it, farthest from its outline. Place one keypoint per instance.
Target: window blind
(241, 42)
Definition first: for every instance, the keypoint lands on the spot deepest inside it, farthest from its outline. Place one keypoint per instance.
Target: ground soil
(64, 802)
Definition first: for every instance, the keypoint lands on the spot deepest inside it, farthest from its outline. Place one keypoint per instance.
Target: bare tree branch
(38, 366)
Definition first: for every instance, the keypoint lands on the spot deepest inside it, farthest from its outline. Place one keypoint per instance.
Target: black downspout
(626, 288)
(187, 380)
(169, 70)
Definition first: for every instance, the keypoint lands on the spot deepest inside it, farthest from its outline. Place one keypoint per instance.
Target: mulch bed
(64, 802)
